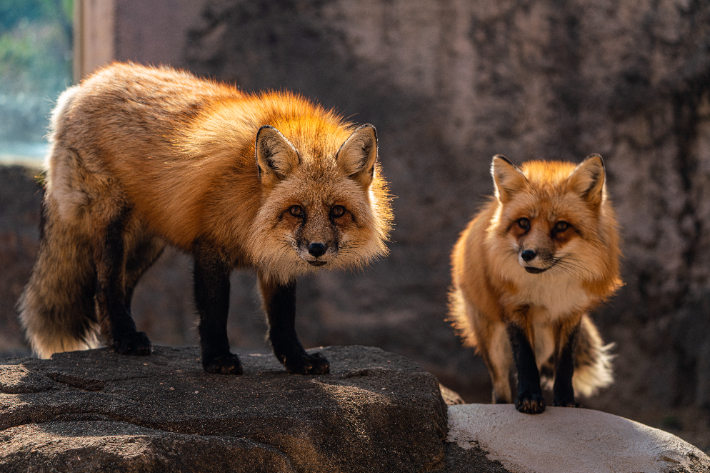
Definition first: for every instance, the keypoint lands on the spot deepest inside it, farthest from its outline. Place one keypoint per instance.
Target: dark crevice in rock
(23, 389)
(685, 107)
(85, 384)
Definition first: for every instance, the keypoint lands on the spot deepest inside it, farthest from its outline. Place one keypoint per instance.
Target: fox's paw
(306, 364)
(530, 403)
(135, 343)
(223, 364)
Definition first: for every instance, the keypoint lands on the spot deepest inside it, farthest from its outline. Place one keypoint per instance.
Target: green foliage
(34, 59)
(35, 64)
(13, 12)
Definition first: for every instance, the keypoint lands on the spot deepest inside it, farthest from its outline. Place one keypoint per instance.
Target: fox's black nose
(316, 249)
(528, 255)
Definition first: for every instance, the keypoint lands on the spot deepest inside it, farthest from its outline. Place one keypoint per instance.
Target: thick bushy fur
(526, 271)
(145, 157)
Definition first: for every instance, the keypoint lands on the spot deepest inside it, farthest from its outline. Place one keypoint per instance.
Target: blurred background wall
(448, 84)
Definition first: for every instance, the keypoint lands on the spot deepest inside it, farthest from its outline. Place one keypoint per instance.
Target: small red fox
(146, 157)
(527, 270)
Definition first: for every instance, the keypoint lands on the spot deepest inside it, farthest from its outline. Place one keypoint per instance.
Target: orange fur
(175, 158)
(573, 269)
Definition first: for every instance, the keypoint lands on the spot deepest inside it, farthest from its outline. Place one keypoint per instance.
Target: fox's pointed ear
(276, 157)
(508, 179)
(588, 179)
(357, 156)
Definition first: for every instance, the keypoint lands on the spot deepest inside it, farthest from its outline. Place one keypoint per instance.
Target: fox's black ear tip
(366, 127)
(502, 158)
(596, 156)
(264, 128)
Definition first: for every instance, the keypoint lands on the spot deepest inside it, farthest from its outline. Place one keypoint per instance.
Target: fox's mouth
(534, 270)
(317, 263)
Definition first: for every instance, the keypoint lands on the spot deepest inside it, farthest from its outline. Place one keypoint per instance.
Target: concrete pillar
(94, 35)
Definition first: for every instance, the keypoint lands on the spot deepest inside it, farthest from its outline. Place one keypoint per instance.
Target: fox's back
(136, 102)
(182, 148)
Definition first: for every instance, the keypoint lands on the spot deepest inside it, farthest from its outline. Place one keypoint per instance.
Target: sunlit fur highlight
(179, 153)
(491, 287)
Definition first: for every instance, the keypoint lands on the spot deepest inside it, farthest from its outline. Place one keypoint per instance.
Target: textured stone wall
(20, 199)
(448, 84)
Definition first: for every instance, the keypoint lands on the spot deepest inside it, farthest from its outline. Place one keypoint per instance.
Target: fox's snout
(535, 260)
(316, 249)
(528, 255)
(317, 253)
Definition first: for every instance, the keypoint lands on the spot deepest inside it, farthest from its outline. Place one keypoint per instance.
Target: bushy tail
(460, 318)
(592, 360)
(56, 308)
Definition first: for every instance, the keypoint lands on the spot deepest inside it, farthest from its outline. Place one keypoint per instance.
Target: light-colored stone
(564, 440)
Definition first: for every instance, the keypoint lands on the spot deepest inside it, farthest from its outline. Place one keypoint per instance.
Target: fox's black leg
(562, 389)
(211, 278)
(114, 315)
(530, 400)
(137, 263)
(280, 306)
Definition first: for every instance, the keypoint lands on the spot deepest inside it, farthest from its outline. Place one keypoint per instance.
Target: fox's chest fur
(549, 296)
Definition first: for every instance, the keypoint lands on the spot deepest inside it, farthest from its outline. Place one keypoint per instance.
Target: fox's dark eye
(296, 211)
(337, 211)
(524, 223)
(561, 226)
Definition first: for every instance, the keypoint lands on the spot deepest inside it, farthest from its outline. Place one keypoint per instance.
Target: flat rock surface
(96, 410)
(564, 440)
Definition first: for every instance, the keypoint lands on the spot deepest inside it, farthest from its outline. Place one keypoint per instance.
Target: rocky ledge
(376, 412)
(98, 411)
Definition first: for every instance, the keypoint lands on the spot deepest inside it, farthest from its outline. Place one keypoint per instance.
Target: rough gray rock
(98, 411)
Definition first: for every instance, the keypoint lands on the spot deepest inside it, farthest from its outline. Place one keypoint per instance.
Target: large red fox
(145, 157)
(526, 271)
